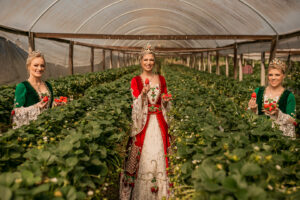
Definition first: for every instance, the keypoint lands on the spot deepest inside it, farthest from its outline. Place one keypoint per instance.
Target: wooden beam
(103, 59)
(71, 49)
(153, 37)
(262, 70)
(92, 59)
(31, 42)
(202, 62)
(235, 62)
(217, 63)
(273, 48)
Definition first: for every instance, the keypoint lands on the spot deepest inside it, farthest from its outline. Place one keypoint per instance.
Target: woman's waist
(154, 108)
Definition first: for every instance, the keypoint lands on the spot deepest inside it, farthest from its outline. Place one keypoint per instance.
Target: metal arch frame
(259, 14)
(42, 14)
(153, 26)
(218, 22)
(94, 14)
(166, 10)
(166, 27)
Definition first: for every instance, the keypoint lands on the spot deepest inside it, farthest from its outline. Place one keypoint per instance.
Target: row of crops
(222, 150)
(70, 152)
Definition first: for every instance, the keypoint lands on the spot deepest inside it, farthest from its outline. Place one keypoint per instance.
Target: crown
(147, 49)
(276, 61)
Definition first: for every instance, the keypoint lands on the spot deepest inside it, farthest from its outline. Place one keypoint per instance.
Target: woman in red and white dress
(145, 174)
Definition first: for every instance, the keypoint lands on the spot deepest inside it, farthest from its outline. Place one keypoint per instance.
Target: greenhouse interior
(222, 78)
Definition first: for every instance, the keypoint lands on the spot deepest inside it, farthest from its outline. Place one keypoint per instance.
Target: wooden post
(188, 61)
(252, 63)
(273, 48)
(227, 66)
(262, 70)
(124, 59)
(217, 63)
(241, 68)
(288, 62)
(71, 48)
(118, 64)
(92, 59)
(31, 46)
(209, 62)
(202, 62)
(110, 59)
(103, 59)
(235, 62)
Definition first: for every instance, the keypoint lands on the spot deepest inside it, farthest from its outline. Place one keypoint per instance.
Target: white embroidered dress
(152, 162)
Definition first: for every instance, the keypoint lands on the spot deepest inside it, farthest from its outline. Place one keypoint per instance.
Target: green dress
(26, 98)
(287, 108)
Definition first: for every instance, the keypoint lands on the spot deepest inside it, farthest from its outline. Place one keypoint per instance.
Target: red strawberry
(45, 99)
(295, 123)
(65, 99)
(147, 81)
(253, 95)
(152, 189)
(266, 106)
(171, 185)
(13, 112)
(270, 109)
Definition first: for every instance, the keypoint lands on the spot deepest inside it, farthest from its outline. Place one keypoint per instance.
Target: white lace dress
(152, 162)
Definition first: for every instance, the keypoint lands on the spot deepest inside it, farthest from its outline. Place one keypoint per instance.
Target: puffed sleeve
(20, 95)
(23, 115)
(166, 106)
(284, 119)
(139, 109)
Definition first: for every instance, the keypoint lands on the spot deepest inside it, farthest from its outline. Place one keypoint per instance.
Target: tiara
(276, 61)
(147, 49)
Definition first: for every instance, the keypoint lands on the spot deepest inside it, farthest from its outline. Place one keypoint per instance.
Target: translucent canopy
(154, 17)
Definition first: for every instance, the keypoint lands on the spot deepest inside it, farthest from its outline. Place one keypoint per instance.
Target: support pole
(262, 70)
(124, 59)
(110, 59)
(71, 48)
(227, 66)
(31, 42)
(217, 63)
(118, 64)
(103, 59)
(235, 62)
(202, 62)
(241, 68)
(92, 59)
(209, 62)
(273, 48)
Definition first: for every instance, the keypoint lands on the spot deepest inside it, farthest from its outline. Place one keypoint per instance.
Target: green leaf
(250, 169)
(40, 189)
(230, 184)
(72, 161)
(5, 192)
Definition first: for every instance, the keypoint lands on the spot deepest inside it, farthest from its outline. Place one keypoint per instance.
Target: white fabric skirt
(152, 164)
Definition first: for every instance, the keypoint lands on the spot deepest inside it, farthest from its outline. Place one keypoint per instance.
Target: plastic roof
(154, 17)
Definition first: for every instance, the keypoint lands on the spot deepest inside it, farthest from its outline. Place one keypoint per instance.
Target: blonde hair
(32, 55)
(277, 64)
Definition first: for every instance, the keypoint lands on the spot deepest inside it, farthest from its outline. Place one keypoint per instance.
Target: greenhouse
(134, 99)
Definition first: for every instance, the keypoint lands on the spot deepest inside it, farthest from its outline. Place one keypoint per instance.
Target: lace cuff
(24, 115)
(283, 120)
(139, 115)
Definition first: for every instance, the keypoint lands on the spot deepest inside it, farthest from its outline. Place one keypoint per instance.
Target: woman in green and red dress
(32, 96)
(276, 101)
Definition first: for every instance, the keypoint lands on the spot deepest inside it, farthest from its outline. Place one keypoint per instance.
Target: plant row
(222, 150)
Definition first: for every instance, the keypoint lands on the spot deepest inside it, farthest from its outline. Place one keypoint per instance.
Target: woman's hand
(252, 104)
(273, 112)
(167, 99)
(42, 104)
(146, 89)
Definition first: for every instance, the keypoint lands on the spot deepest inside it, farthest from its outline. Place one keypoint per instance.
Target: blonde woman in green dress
(276, 101)
(32, 96)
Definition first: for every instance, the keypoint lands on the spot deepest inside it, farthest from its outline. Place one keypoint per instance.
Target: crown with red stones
(278, 64)
(147, 49)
